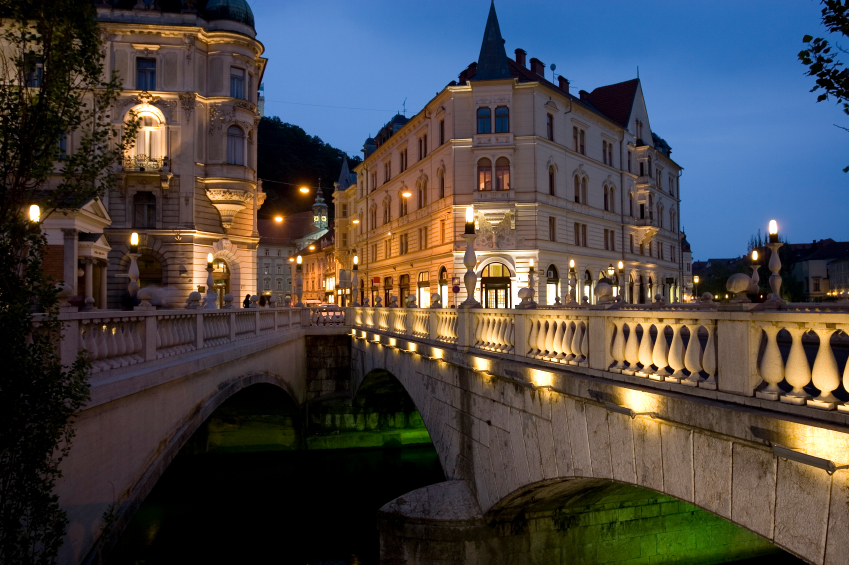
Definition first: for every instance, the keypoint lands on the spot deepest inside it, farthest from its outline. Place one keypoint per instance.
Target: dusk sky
(722, 84)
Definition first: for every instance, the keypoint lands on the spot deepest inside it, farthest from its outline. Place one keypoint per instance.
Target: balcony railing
(143, 163)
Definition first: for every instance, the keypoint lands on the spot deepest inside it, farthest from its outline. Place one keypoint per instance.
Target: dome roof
(234, 10)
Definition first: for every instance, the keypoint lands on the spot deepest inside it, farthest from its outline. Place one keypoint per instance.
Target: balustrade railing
(794, 355)
(327, 317)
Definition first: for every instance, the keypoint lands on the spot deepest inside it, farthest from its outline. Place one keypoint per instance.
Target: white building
(552, 177)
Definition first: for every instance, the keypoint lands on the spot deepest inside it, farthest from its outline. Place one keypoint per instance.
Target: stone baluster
(568, 353)
(511, 336)
(549, 339)
(576, 344)
(771, 367)
(102, 346)
(617, 350)
(137, 354)
(693, 355)
(709, 359)
(632, 349)
(797, 371)
(488, 328)
(825, 374)
(543, 331)
(532, 336)
(585, 345)
(646, 346)
(557, 344)
(90, 344)
(111, 345)
(676, 354)
(120, 343)
(660, 355)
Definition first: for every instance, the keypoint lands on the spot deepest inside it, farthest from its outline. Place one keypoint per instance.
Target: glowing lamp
(304, 190)
(34, 213)
(621, 265)
(356, 262)
(406, 194)
(134, 242)
(470, 220)
(312, 247)
(278, 219)
(300, 260)
(356, 221)
(209, 259)
(571, 263)
(773, 231)
(755, 256)
(696, 279)
(291, 259)
(610, 270)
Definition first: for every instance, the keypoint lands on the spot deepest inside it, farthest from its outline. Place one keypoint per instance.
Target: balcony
(143, 163)
(643, 181)
(504, 139)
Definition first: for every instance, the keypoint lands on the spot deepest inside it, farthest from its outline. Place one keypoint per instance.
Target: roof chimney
(563, 83)
(583, 94)
(521, 55)
(538, 67)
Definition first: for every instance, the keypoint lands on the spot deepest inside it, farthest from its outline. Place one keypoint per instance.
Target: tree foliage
(820, 56)
(53, 85)
(293, 158)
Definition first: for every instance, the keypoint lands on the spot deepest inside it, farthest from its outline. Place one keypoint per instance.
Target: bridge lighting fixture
(754, 257)
(825, 464)
(356, 262)
(571, 263)
(278, 219)
(627, 411)
(209, 259)
(470, 220)
(610, 270)
(773, 231)
(134, 242)
(34, 213)
(304, 190)
(621, 266)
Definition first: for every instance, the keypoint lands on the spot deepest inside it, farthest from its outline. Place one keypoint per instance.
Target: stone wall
(328, 365)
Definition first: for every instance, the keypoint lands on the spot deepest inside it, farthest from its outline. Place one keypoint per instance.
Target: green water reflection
(301, 507)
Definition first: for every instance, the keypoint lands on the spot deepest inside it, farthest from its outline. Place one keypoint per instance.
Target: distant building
(277, 245)
(553, 178)
(838, 275)
(812, 266)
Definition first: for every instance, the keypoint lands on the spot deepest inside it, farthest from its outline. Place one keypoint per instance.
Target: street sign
(455, 289)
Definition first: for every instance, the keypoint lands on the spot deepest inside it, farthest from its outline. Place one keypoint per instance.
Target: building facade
(552, 177)
(188, 187)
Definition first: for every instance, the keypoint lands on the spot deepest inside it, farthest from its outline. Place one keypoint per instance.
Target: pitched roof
(492, 62)
(831, 250)
(346, 177)
(615, 100)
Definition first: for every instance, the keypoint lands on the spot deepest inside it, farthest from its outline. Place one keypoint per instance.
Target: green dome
(234, 10)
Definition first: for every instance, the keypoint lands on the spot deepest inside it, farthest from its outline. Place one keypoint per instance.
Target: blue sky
(721, 79)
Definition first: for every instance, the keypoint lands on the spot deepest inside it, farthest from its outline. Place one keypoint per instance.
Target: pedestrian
(262, 301)
(247, 302)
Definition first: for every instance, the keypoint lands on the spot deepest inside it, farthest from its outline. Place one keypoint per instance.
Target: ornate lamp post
(696, 287)
(299, 282)
(774, 265)
(355, 283)
(211, 302)
(470, 260)
(573, 284)
(133, 272)
(527, 294)
(755, 277)
(621, 266)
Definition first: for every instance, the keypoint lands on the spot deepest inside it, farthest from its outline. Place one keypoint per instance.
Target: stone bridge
(527, 410)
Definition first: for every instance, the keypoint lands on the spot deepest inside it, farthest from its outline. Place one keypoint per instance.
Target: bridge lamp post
(355, 283)
(774, 265)
(573, 284)
(825, 464)
(470, 260)
(299, 282)
(696, 286)
(34, 213)
(621, 266)
(211, 296)
(133, 272)
(627, 411)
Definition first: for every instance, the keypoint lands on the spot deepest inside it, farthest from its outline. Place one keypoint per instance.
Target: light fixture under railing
(812, 461)
(627, 411)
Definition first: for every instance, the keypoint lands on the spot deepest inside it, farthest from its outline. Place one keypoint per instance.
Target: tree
(832, 77)
(51, 62)
(289, 157)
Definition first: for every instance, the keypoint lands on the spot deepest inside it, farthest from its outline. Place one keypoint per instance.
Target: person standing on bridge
(247, 301)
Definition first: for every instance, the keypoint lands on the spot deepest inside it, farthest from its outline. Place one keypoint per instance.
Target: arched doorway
(150, 271)
(495, 286)
(552, 284)
(220, 279)
(443, 286)
(423, 290)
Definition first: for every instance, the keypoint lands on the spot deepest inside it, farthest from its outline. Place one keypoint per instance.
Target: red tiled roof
(615, 100)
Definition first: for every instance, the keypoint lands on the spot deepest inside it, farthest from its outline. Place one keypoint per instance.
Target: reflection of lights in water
(150, 535)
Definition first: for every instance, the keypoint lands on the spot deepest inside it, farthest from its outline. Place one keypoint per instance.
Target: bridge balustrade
(787, 356)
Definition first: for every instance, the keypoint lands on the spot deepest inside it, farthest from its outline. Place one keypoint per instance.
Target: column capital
(70, 233)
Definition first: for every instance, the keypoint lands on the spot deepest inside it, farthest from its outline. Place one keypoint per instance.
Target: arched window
(402, 206)
(502, 119)
(495, 286)
(372, 218)
(484, 121)
(149, 139)
(651, 207)
(404, 288)
(443, 286)
(387, 212)
(423, 290)
(584, 197)
(485, 174)
(441, 184)
(606, 198)
(551, 185)
(423, 193)
(577, 189)
(611, 198)
(235, 146)
(552, 284)
(502, 174)
(144, 210)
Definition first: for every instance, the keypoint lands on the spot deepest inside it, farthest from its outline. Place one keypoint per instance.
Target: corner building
(189, 186)
(552, 177)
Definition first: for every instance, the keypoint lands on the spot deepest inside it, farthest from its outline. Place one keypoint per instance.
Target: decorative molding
(229, 202)
(220, 116)
(188, 102)
(496, 229)
(189, 40)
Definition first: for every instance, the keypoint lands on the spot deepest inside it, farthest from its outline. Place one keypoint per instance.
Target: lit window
(502, 174)
(484, 174)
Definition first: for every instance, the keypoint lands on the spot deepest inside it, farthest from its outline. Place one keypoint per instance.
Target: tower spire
(492, 62)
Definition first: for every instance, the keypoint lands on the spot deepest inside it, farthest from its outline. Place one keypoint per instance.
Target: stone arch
(144, 249)
(506, 260)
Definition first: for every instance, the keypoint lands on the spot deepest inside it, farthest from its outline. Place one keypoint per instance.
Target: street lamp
(355, 283)
(278, 219)
(133, 272)
(211, 297)
(312, 247)
(34, 213)
(470, 260)
(304, 190)
(696, 285)
(299, 282)
(573, 284)
(621, 266)
(755, 278)
(774, 264)
(406, 194)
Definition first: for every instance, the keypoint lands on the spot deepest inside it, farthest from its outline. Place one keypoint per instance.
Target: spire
(344, 175)
(492, 63)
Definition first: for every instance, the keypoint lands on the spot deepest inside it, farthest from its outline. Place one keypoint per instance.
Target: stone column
(89, 277)
(104, 269)
(70, 258)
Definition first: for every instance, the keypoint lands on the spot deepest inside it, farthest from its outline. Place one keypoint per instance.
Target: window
(387, 249)
(278, 253)
(372, 218)
(660, 250)
(34, 70)
(403, 158)
(144, 210)
(373, 181)
(441, 132)
(552, 228)
(580, 234)
(250, 95)
(145, 74)
(632, 243)
(235, 146)
(672, 252)
(609, 240)
(442, 185)
(402, 206)
(604, 151)
(575, 139)
(577, 189)
(549, 127)
(606, 198)
(551, 189)
(581, 145)
(266, 284)
(651, 207)
(344, 240)
(671, 186)
(629, 161)
(649, 169)
(387, 171)
(403, 244)
(502, 174)
(63, 145)
(344, 210)
(639, 130)
(816, 285)
(148, 141)
(484, 121)
(279, 284)
(484, 174)
(422, 192)
(659, 178)
(610, 154)
(237, 82)
(279, 269)
(584, 197)
(642, 172)
(423, 238)
(442, 234)
(631, 204)
(373, 255)
(502, 119)
(387, 212)
(642, 249)
(266, 252)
